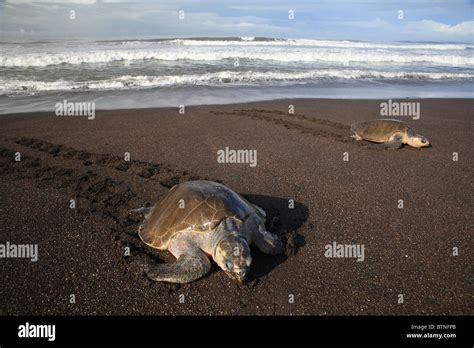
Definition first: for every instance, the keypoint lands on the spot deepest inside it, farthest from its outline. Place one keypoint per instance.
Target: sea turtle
(392, 133)
(197, 219)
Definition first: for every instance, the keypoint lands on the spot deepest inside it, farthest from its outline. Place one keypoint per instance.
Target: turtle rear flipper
(143, 210)
(187, 268)
(146, 212)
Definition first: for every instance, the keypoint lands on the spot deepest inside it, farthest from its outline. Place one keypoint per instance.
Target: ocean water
(167, 72)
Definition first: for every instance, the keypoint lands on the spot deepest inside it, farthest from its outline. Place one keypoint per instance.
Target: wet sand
(408, 251)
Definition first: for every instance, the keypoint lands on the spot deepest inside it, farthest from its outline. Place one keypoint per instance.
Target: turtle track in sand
(106, 188)
(304, 124)
(167, 176)
(105, 198)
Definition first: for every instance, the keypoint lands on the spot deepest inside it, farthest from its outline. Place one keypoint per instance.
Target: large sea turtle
(200, 218)
(392, 133)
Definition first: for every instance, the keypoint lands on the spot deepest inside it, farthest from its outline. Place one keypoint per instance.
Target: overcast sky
(370, 20)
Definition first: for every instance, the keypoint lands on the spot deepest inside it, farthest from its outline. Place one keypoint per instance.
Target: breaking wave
(220, 78)
(275, 50)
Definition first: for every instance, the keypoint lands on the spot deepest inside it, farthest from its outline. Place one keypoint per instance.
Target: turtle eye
(423, 141)
(229, 265)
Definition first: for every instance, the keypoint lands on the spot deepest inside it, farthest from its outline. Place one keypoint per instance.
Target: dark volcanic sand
(407, 251)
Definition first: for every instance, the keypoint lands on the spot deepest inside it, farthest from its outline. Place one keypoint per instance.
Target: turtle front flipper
(394, 143)
(267, 242)
(187, 268)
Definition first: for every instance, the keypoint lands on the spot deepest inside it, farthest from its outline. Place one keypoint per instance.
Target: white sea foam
(203, 54)
(319, 43)
(290, 50)
(219, 78)
(32, 68)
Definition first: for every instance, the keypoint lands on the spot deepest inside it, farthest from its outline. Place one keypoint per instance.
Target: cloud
(125, 20)
(437, 31)
(460, 29)
(335, 19)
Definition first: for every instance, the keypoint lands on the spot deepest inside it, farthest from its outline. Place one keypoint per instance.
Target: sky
(366, 20)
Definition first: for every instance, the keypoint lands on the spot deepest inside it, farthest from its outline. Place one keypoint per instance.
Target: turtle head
(232, 254)
(417, 140)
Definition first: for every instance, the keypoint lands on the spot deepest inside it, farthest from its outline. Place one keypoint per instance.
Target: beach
(344, 192)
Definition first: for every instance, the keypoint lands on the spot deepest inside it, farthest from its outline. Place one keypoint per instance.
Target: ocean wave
(260, 41)
(203, 55)
(317, 43)
(220, 78)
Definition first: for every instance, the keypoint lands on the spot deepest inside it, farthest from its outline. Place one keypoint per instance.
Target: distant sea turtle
(200, 218)
(392, 133)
